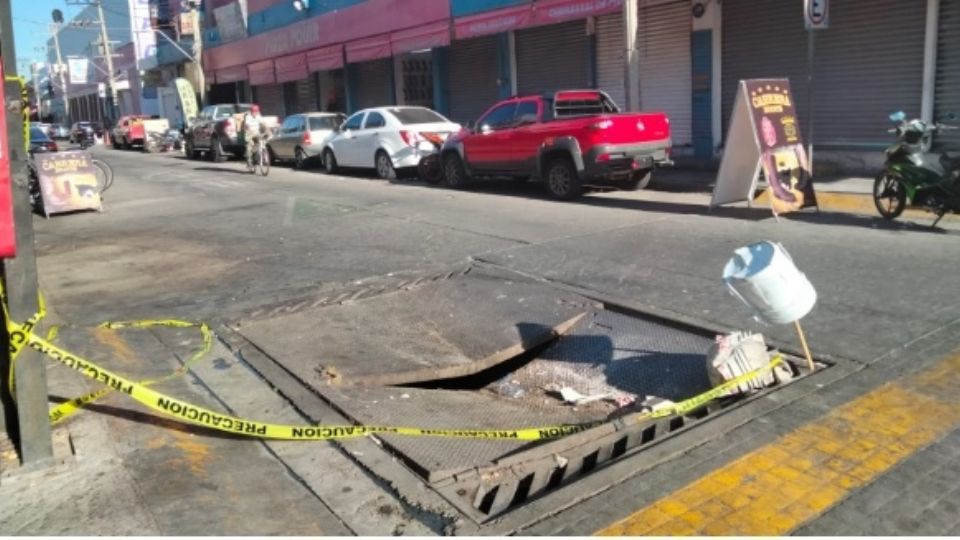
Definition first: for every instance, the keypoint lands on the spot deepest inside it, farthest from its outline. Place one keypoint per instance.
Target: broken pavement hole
(484, 378)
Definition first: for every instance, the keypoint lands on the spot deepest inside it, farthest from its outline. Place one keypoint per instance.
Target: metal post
(811, 35)
(34, 74)
(108, 53)
(198, 54)
(631, 60)
(63, 84)
(30, 425)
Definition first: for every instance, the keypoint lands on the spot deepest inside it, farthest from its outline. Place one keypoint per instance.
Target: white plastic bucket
(763, 276)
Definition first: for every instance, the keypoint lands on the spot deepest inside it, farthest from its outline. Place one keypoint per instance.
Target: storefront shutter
(663, 49)
(869, 63)
(552, 58)
(610, 61)
(947, 97)
(307, 94)
(372, 81)
(270, 99)
(472, 72)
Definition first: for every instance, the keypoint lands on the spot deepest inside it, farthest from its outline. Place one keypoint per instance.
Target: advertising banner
(78, 68)
(68, 182)
(764, 135)
(230, 22)
(8, 241)
(144, 36)
(188, 99)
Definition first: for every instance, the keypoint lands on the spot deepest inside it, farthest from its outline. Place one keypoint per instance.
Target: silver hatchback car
(301, 137)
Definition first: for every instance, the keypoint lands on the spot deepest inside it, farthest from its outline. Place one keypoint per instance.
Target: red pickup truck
(571, 140)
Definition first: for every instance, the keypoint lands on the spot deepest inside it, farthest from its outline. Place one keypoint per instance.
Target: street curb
(853, 203)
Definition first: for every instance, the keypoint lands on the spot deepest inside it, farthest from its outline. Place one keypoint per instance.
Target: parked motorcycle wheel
(889, 195)
(429, 169)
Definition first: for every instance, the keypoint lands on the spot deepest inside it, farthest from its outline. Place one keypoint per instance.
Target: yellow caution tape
(193, 414)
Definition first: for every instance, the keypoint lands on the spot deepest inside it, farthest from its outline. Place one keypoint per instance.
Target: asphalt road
(205, 241)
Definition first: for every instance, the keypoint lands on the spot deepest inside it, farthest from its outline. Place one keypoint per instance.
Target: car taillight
(52, 146)
(410, 137)
(306, 138)
(603, 158)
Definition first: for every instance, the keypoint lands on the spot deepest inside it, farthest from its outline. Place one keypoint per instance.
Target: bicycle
(259, 163)
(104, 175)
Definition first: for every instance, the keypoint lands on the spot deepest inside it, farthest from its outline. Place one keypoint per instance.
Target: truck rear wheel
(216, 151)
(563, 182)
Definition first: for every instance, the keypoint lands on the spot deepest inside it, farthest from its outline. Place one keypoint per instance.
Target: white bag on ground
(737, 354)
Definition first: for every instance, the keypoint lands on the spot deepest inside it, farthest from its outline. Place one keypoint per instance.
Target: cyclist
(254, 129)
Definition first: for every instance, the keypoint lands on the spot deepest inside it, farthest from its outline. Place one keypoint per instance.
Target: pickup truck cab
(218, 131)
(570, 140)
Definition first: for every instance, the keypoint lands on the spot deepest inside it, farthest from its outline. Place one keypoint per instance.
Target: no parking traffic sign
(816, 14)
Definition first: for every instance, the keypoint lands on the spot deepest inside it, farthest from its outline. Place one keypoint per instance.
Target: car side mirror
(470, 125)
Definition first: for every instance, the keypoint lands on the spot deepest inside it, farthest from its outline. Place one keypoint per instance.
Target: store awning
(556, 11)
(262, 73)
(325, 58)
(371, 48)
(493, 22)
(427, 36)
(231, 74)
(291, 68)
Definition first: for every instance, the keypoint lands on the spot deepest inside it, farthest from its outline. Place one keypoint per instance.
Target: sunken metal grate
(485, 493)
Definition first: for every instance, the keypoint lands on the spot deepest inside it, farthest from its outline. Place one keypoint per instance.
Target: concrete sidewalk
(837, 194)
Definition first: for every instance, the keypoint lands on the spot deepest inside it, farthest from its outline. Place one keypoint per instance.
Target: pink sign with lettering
(554, 11)
(494, 22)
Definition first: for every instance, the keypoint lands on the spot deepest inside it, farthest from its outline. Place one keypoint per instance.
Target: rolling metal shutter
(552, 58)
(472, 72)
(869, 63)
(610, 49)
(663, 48)
(307, 94)
(372, 84)
(270, 99)
(947, 96)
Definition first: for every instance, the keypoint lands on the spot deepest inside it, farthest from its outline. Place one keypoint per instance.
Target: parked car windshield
(417, 116)
(324, 122)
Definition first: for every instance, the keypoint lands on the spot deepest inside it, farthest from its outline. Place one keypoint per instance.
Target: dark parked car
(85, 131)
(40, 142)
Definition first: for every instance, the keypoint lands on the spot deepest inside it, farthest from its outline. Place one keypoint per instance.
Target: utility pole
(57, 16)
(198, 51)
(108, 53)
(35, 75)
(25, 417)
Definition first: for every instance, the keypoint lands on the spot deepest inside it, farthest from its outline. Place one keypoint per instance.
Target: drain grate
(485, 493)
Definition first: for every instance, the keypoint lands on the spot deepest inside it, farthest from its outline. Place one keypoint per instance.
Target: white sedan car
(385, 139)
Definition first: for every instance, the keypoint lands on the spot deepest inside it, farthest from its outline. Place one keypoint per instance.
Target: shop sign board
(764, 135)
(68, 182)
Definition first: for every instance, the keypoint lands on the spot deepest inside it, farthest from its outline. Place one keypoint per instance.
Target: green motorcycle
(926, 179)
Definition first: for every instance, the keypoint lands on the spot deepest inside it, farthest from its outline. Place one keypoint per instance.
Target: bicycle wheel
(263, 164)
(104, 175)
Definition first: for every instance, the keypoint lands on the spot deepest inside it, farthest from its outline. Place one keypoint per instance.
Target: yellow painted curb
(854, 203)
(777, 488)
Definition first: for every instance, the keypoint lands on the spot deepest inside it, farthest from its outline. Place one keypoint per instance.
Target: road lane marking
(783, 485)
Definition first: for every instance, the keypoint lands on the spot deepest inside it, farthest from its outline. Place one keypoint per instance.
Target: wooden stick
(806, 348)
